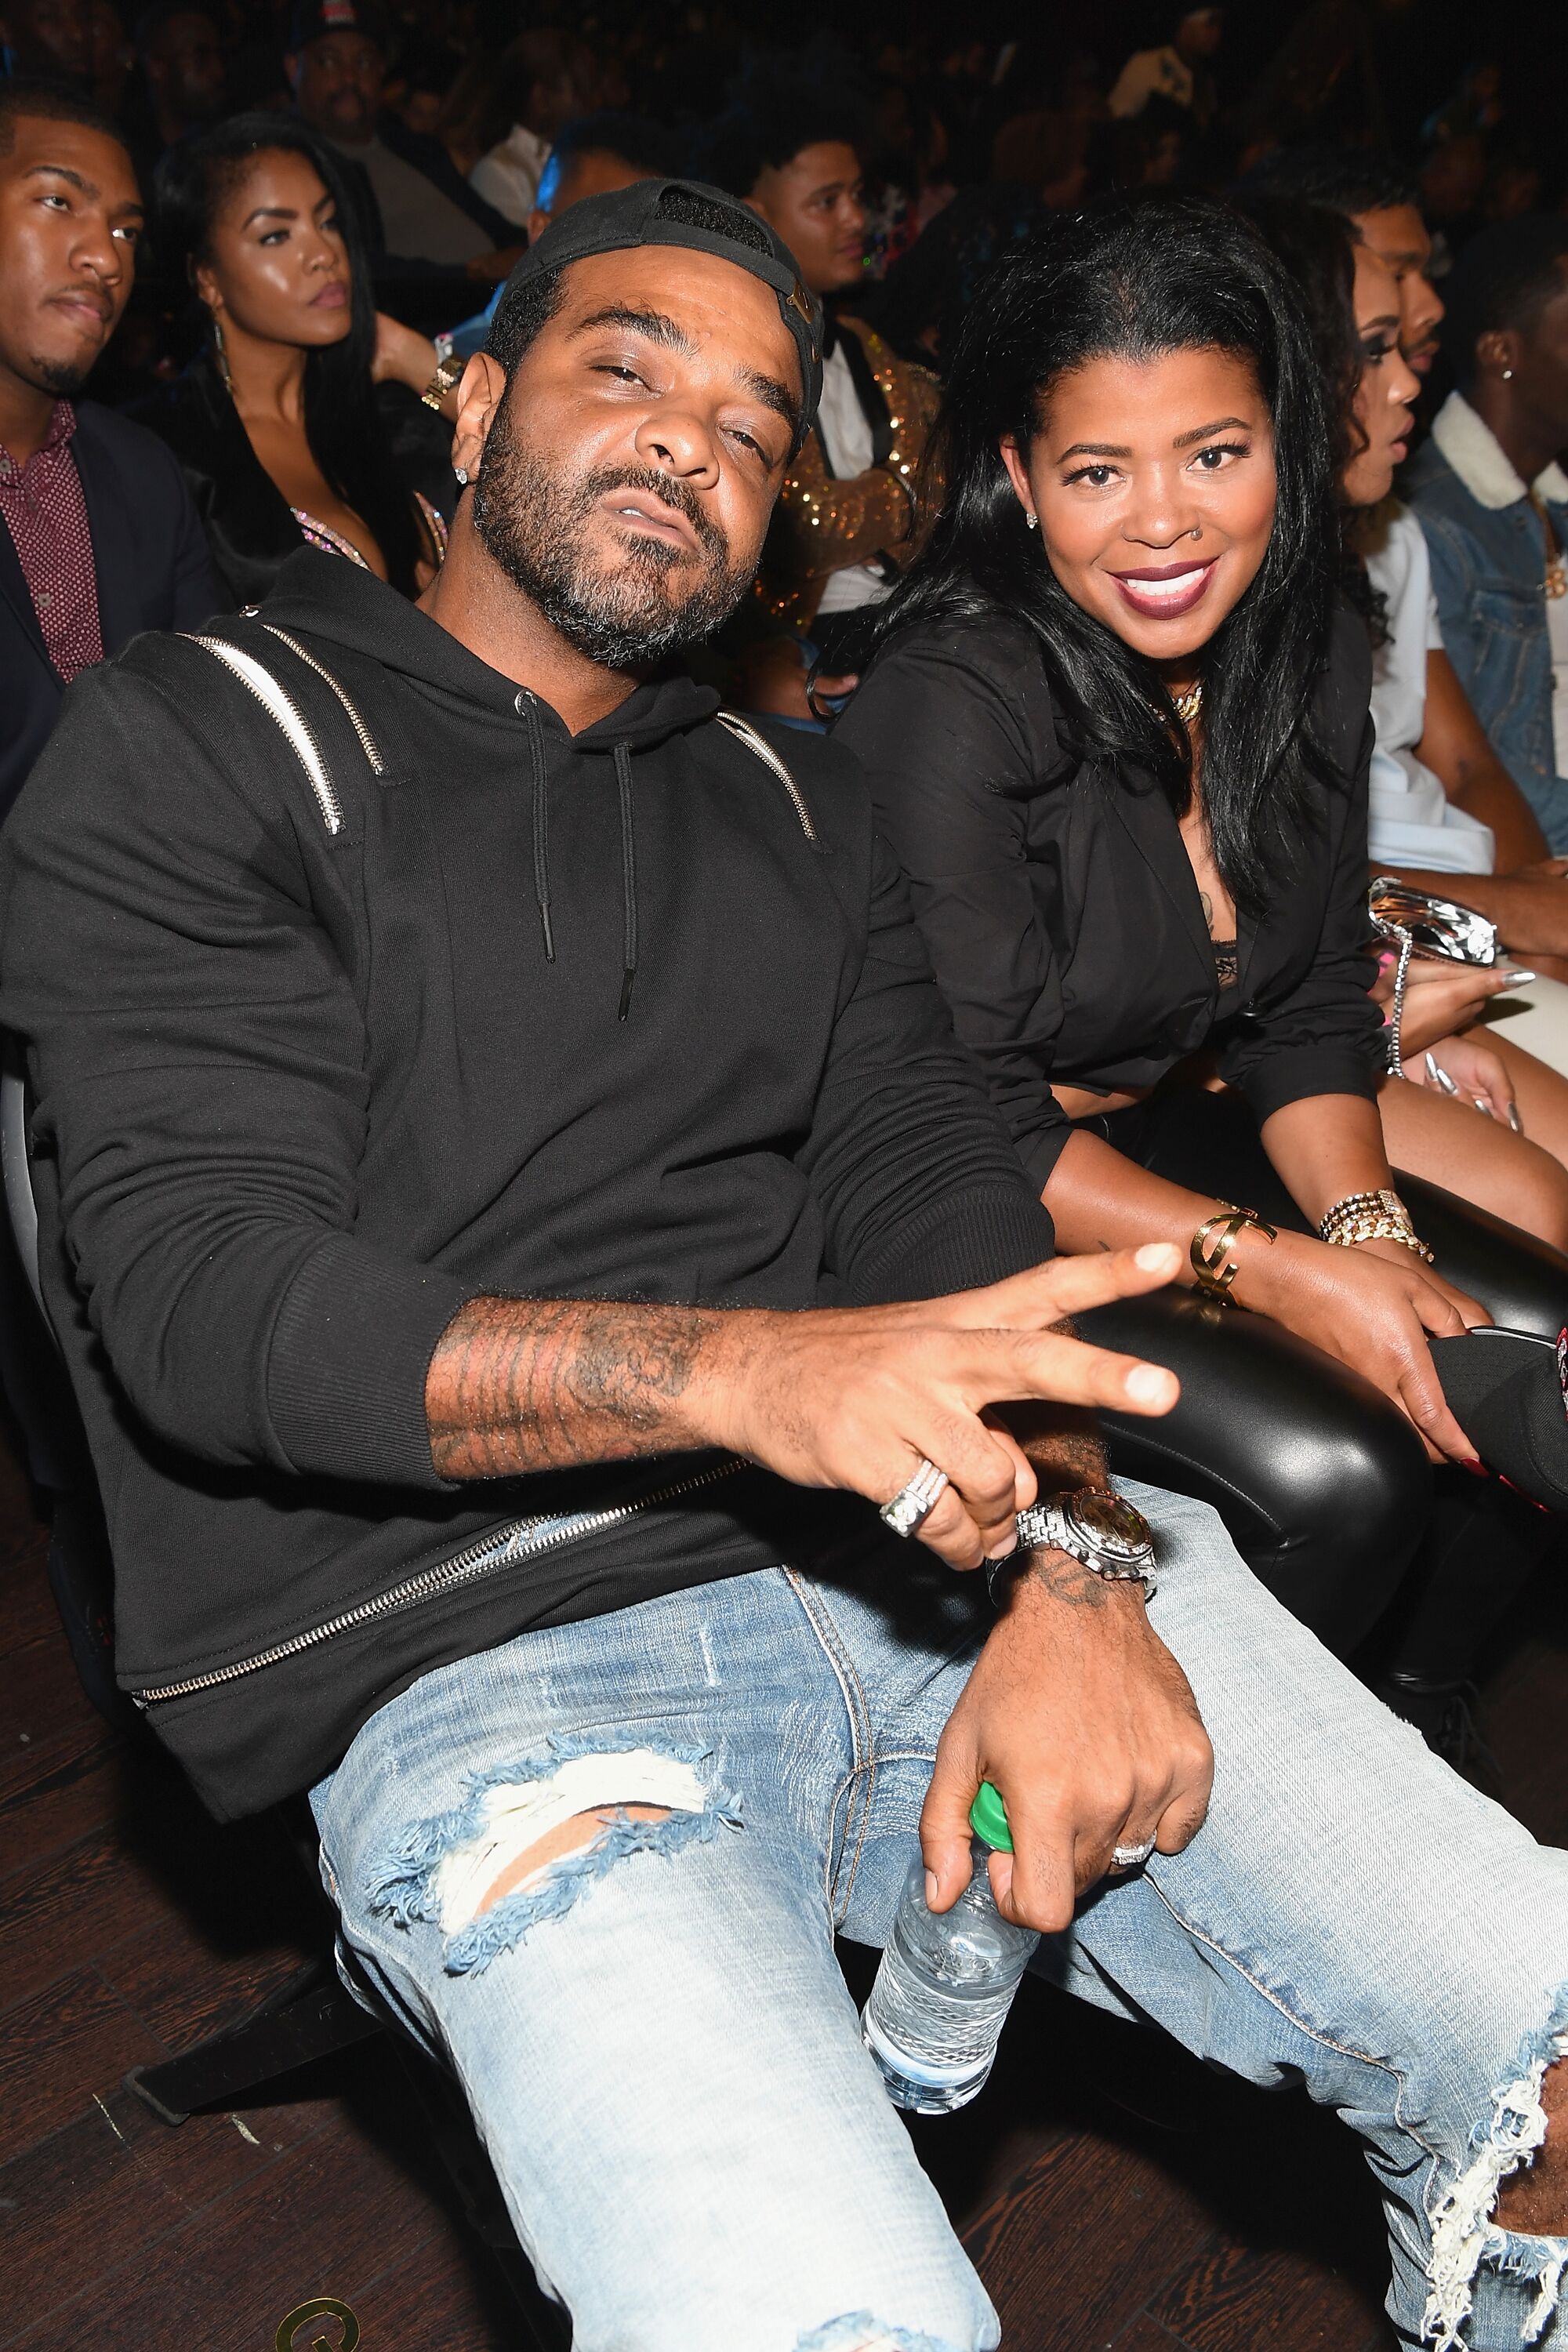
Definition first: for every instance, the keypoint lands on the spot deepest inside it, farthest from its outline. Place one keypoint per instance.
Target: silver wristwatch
(1092, 1525)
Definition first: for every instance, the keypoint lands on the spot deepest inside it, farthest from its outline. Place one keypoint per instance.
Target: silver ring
(913, 1504)
(1128, 1858)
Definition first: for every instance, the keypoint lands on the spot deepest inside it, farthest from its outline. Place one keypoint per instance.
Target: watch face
(1110, 1524)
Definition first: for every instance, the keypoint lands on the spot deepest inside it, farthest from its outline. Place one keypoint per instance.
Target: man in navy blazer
(99, 538)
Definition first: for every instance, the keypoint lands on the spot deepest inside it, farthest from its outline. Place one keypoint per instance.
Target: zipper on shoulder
(501, 1547)
(366, 740)
(286, 715)
(745, 733)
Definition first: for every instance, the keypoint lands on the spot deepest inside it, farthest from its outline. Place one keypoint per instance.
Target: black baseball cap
(318, 20)
(688, 213)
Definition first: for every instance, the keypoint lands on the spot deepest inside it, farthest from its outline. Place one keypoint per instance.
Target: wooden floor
(1111, 2195)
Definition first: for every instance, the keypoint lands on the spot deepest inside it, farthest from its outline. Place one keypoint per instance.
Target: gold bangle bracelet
(1211, 1252)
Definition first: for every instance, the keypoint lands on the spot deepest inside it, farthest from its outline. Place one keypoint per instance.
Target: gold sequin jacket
(822, 525)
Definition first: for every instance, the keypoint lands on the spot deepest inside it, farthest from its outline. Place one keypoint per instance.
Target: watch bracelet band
(1040, 1527)
(448, 375)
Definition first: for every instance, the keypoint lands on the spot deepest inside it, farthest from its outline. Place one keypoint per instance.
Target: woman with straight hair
(299, 422)
(1117, 732)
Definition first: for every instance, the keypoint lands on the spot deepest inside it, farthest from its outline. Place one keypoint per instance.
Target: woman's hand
(1372, 1306)
(401, 356)
(1440, 997)
(1471, 1072)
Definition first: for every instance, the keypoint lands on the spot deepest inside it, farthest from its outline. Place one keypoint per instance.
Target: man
(549, 72)
(478, 1075)
(845, 519)
(182, 63)
(101, 539)
(596, 153)
(421, 210)
(1182, 72)
(1379, 199)
(1493, 501)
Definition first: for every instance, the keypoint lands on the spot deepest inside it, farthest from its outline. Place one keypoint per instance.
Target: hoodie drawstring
(529, 710)
(628, 878)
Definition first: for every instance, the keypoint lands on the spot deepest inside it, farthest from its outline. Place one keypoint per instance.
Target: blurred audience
(418, 208)
(184, 82)
(1493, 501)
(101, 539)
(284, 421)
(1179, 71)
(539, 81)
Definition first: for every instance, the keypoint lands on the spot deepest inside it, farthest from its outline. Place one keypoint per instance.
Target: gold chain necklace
(1188, 705)
(1556, 582)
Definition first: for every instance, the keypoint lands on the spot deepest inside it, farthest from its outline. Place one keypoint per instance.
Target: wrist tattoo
(1067, 1578)
(517, 1385)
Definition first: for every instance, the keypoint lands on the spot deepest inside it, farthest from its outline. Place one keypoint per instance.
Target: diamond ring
(913, 1504)
(1128, 1858)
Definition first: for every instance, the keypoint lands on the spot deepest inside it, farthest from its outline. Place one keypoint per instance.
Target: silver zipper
(366, 740)
(493, 1550)
(764, 751)
(286, 715)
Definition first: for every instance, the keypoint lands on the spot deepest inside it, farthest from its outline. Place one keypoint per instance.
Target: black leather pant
(1322, 1483)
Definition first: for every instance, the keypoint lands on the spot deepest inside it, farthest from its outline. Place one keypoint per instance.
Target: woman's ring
(1128, 1858)
(913, 1504)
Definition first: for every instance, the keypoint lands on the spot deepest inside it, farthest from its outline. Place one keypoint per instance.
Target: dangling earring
(462, 474)
(1033, 521)
(221, 355)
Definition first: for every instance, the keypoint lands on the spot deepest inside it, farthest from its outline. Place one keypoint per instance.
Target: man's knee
(1535, 2200)
(533, 1837)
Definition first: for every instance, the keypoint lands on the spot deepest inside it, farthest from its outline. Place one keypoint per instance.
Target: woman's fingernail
(1483, 1105)
(1432, 1070)
(1154, 1258)
(932, 1889)
(1518, 979)
(1476, 1469)
(1147, 1384)
(1444, 1080)
(1514, 1120)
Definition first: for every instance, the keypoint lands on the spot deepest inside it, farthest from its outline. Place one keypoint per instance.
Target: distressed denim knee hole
(1466, 2233)
(639, 1797)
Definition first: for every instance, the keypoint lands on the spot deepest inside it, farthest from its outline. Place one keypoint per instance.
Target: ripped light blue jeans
(658, 2047)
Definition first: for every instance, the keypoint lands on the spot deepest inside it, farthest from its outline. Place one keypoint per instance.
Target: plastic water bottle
(947, 1980)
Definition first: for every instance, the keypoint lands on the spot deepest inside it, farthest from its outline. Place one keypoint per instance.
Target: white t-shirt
(1413, 820)
(1151, 73)
(1557, 638)
(847, 437)
(508, 176)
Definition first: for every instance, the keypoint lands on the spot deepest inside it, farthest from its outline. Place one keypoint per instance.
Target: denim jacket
(1488, 567)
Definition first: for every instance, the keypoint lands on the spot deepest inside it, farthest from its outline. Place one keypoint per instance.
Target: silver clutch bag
(1438, 930)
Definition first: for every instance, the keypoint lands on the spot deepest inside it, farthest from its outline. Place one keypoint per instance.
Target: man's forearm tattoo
(517, 1385)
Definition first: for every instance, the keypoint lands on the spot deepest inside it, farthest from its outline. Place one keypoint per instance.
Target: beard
(532, 517)
(56, 377)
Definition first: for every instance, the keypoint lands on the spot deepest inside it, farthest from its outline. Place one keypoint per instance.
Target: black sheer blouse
(1059, 906)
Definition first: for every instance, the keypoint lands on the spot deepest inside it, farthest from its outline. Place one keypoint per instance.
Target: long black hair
(342, 423)
(1135, 277)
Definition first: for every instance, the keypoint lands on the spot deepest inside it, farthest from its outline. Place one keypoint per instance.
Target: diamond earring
(1033, 521)
(1507, 376)
(462, 474)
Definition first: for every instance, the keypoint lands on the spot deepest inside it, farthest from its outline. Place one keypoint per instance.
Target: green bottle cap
(989, 1818)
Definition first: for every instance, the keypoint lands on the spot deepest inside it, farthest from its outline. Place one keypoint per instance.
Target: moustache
(677, 495)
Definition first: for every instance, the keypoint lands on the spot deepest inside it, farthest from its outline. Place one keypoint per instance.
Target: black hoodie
(485, 1008)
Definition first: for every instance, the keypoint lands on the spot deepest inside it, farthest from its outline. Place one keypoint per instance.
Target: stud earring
(462, 474)
(1033, 521)
(1507, 376)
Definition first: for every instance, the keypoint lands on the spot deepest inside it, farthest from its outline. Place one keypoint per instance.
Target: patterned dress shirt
(46, 514)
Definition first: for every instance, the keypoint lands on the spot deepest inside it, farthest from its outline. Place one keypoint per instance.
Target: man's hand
(1081, 1718)
(839, 1397)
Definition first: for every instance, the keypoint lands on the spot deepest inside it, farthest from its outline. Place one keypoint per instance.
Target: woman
(1421, 825)
(1118, 735)
(299, 422)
